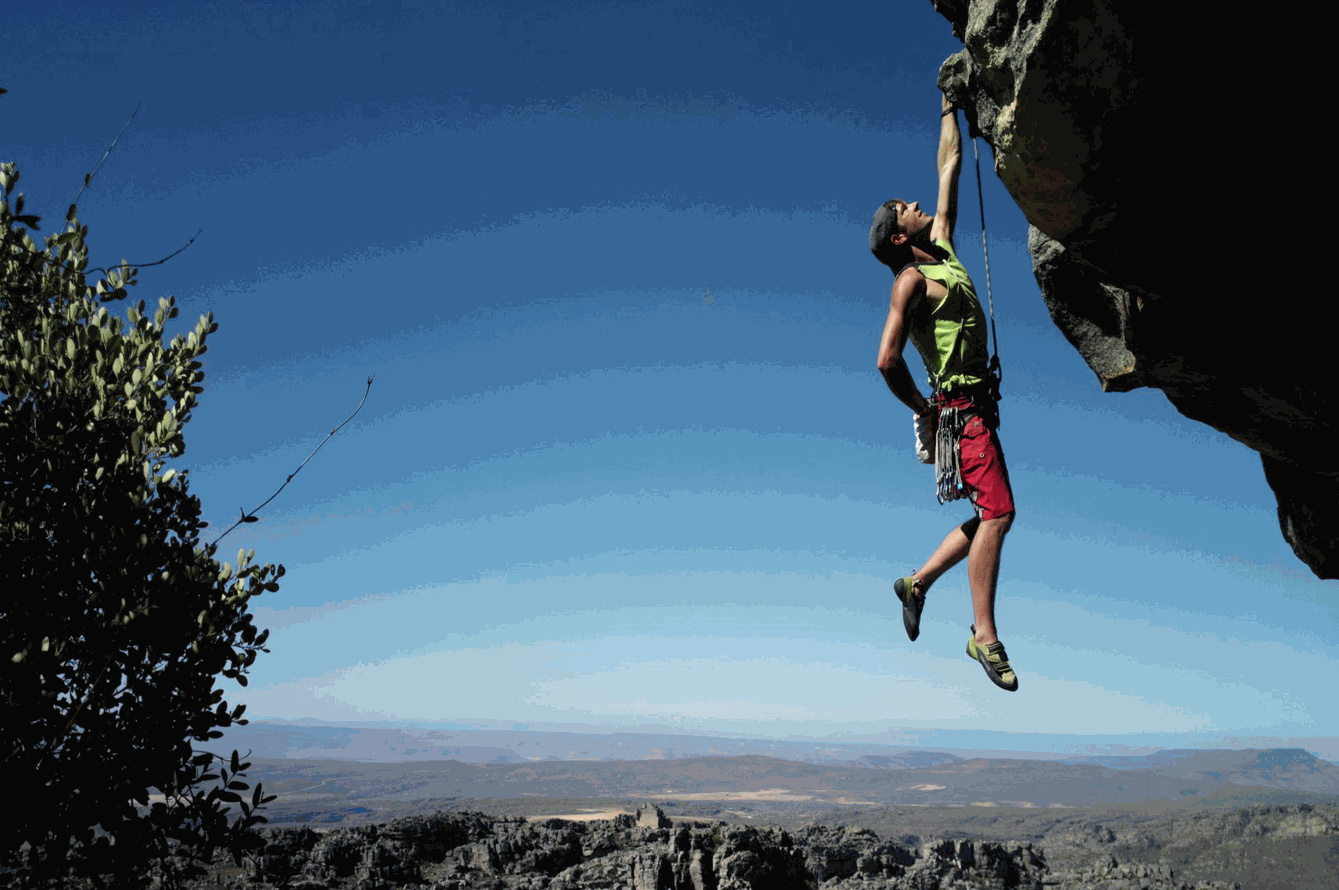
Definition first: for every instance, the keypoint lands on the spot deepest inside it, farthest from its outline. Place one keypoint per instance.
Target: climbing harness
(947, 458)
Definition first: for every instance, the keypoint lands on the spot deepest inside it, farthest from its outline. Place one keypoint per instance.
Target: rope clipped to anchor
(996, 372)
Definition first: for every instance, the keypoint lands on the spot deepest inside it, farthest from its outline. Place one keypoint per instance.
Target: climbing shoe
(910, 591)
(993, 658)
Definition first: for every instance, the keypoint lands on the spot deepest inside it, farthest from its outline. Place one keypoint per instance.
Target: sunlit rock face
(1164, 156)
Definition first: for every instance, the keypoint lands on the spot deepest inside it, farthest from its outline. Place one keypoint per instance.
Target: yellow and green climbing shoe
(993, 658)
(912, 594)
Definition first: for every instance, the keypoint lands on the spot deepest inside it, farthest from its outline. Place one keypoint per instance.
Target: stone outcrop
(1240, 842)
(471, 851)
(651, 816)
(1151, 150)
(1217, 849)
(1112, 875)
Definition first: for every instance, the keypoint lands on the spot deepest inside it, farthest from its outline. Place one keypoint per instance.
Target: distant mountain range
(774, 784)
(365, 774)
(376, 744)
(1286, 768)
(312, 740)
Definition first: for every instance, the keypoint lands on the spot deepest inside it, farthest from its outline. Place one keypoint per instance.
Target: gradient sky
(627, 461)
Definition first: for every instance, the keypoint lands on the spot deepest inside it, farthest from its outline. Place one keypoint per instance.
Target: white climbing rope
(996, 371)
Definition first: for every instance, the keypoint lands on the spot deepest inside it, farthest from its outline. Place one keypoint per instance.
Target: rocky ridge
(1151, 202)
(472, 851)
(1237, 841)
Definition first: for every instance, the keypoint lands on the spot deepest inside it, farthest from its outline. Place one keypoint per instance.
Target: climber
(935, 305)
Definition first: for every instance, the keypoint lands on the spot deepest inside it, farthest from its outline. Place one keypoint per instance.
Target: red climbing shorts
(982, 457)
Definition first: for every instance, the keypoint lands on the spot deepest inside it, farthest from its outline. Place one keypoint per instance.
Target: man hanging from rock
(935, 305)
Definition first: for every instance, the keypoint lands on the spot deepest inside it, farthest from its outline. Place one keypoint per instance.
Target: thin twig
(138, 266)
(89, 177)
(135, 266)
(251, 517)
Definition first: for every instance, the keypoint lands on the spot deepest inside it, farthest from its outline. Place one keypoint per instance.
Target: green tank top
(950, 334)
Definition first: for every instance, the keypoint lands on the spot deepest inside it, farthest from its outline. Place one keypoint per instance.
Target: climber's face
(912, 220)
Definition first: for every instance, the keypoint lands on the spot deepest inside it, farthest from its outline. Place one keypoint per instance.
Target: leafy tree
(114, 620)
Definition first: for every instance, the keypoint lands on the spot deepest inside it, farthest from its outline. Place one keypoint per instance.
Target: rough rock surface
(1247, 843)
(471, 851)
(1170, 232)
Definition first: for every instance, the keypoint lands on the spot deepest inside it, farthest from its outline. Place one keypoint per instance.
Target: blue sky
(627, 461)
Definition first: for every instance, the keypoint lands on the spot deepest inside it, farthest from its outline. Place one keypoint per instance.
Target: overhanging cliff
(1160, 160)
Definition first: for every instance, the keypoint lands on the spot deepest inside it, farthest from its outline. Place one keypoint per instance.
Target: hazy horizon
(989, 744)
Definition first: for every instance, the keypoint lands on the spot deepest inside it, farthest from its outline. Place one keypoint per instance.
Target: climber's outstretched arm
(950, 165)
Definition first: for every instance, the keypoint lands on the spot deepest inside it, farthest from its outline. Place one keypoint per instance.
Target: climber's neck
(922, 255)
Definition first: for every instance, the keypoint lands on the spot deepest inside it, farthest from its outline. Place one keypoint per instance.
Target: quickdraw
(948, 465)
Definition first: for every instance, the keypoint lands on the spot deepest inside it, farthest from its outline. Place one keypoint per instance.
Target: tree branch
(251, 517)
(89, 177)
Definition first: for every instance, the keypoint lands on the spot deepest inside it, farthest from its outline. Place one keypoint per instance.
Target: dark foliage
(115, 621)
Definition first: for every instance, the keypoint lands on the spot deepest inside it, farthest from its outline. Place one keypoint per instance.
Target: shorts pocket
(975, 449)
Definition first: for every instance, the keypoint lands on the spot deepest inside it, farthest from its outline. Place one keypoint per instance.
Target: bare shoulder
(908, 288)
(921, 287)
